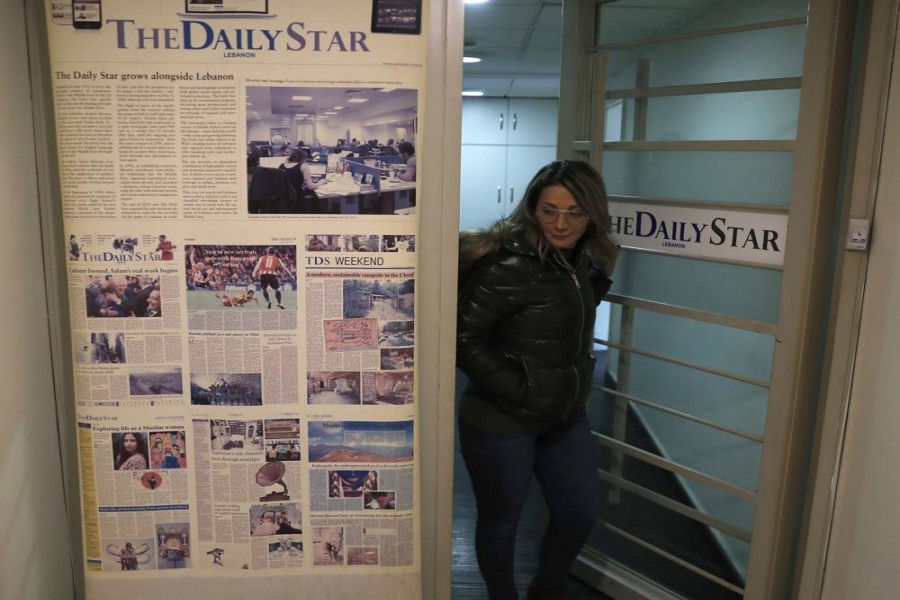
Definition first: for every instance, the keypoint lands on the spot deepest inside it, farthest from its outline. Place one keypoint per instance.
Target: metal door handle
(499, 193)
(515, 121)
(501, 121)
(512, 194)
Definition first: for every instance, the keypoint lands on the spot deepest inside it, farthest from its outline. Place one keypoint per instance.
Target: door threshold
(616, 581)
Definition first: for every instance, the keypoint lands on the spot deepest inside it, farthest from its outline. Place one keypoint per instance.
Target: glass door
(701, 114)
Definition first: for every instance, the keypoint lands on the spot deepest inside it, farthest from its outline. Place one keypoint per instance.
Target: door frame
(436, 287)
(864, 157)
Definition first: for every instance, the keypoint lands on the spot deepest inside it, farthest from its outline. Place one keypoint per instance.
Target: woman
(131, 453)
(524, 338)
(300, 174)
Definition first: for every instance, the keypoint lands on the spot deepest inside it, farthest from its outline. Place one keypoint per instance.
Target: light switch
(858, 234)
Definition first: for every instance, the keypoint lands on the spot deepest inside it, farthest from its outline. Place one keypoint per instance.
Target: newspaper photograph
(324, 171)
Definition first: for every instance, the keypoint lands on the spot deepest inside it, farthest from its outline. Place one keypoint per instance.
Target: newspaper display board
(243, 316)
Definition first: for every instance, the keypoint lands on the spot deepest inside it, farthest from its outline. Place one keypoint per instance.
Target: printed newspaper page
(239, 188)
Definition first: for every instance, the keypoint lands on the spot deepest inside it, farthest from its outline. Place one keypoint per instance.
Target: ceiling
(519, 40)
(519, 44)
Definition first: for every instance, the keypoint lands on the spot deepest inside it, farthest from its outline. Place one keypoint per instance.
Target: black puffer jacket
(524, 334)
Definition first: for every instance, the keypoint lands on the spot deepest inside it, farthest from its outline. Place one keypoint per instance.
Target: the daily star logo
(747, 236)
(199, 35)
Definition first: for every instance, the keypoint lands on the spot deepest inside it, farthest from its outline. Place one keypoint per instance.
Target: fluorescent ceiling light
(338, 108)
(357, 100)
(302, 98)
(329, 112)
(473, 93)
(471, 59)
(476, 1)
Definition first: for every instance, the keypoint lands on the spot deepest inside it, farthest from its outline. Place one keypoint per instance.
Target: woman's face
(130, 443)
(561, 219)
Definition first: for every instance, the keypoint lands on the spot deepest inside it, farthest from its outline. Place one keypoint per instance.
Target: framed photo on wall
(397, 16)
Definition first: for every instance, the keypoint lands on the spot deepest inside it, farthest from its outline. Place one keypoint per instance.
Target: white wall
(862, 552)
(35, 560)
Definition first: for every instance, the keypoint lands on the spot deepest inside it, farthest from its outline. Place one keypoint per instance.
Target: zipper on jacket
(577, 283)
(580, 336)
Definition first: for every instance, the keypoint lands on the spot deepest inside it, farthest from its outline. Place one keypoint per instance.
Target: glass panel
(747, 292)
(715, 503)
(719, 454)
(688, 492)
(743, 56)
(737, 351)
(735, 404)
(673, 533)
(615, 126)
(740, 177)
(628, 20)
(766, 115)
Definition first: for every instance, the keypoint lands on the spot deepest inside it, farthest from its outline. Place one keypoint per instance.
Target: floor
(466, 580)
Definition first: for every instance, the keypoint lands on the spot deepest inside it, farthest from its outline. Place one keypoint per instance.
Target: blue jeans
(500, 466)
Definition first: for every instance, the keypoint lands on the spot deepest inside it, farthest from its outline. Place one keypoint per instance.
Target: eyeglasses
(547, 215)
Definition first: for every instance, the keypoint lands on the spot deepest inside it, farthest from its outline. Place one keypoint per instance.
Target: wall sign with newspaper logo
(756, 237)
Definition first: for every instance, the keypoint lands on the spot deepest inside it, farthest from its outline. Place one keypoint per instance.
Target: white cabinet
(504, 142)
(532, 122)
(482, 185)
(517, 121)
(484, 120)
(522, 162)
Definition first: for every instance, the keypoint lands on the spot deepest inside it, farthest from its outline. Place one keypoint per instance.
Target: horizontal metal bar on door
(581, 146)
(723, 261)
(675, 506)
(703, 146)
(668, 555)
(675, 37)
(682, 203)
(726, 87)
(674, 467)
(681, 414)
(692, 313)
(685, 363)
